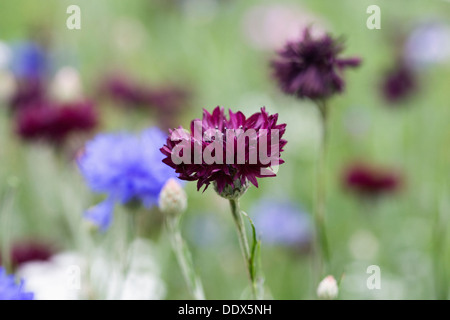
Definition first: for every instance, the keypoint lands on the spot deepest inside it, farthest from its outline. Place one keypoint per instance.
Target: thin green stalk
(439, 253)
(323, 254)
(5, 222)
(245, 248)
(184, 259)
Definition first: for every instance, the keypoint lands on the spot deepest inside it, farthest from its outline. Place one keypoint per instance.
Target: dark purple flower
(125, 90)
(232, 144)
(167, 98)
(166, 101)
(399, 83)
(367, 180)
(30, 92)
(29, 250)
(311, 68)
(54, 123)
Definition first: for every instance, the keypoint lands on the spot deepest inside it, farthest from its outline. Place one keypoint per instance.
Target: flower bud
(328, 288)
(66, 85)
(172, 198)
(232, 192)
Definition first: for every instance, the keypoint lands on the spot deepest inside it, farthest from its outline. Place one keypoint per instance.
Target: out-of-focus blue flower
(204, 230)
(125, 167)
(11, 290)
(29, 61)
(101, 214)
(282, 223)
(428, 44)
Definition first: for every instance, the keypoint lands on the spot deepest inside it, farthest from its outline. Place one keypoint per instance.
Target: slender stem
(5, 223)
(439, 253)
(320, 205)
(243, 242)
(184, 259)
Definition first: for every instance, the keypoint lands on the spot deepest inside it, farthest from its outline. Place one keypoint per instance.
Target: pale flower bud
(8, 85)
(66, 85)
(172, 198)
(328, 288)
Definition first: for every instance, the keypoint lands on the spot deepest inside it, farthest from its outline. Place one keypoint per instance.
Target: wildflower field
(131, 136)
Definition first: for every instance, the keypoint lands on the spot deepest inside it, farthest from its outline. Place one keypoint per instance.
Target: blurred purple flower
(54, 123)
(29, 93)
(125, 90)
(11, 290)
(399, 83)
(167, 100)
(126, 168)
(369, 181)
(29, 250)
(134, 94)
(311, 68)
(282, 223)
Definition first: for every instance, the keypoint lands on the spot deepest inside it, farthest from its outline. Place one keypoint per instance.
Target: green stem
(5, 223)
(439, 254)
(320, 206)
(245, 248)
(184, 259)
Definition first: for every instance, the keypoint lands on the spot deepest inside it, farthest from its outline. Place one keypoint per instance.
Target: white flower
(142, 279)
(328, 288)
(65, 276)
(56, 279)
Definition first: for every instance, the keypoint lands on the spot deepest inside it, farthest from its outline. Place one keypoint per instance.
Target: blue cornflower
(282, 223)
(10, 289)
(126, 167)
(29, 61)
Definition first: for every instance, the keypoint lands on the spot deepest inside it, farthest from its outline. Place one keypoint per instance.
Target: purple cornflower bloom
(224, 172)
(399, 83)
(311, 68)
(369, 181)
(54, 123)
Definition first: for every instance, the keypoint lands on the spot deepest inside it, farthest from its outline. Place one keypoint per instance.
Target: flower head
(30, 250)
(282, 223)
(167, 101)
(367, 180)
(125, 90)
(172, 199)
(311, 68)
(125, 167)
(428, 44)
(225, 151)
(29, 61)
(29, 93)
(10, 289)
(328, 288)
(54, 123)
(399, 83)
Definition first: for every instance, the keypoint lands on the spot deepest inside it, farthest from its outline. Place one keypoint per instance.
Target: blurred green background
(203, 44)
